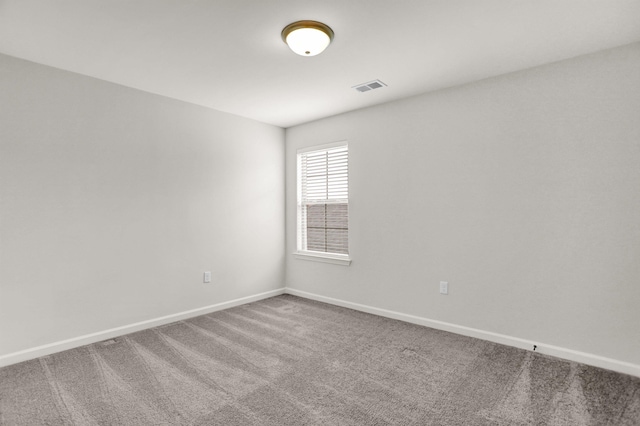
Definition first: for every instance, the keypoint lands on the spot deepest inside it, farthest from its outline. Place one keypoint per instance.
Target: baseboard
(564, 353)
(556, 351)
(87, 339)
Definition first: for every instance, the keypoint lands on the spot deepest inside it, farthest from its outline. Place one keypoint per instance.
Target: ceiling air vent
(365, 87)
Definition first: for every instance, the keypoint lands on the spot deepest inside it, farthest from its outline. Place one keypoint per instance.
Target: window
(323, 203)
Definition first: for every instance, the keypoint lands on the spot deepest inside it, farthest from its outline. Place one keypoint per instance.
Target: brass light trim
(306, 24)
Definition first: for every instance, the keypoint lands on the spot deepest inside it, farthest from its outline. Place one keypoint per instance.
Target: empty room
(243, 212)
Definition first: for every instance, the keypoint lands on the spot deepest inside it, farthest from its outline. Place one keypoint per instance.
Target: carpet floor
(293, 361)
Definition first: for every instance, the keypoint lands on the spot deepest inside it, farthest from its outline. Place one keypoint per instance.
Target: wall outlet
(207, 277)
(444, 287)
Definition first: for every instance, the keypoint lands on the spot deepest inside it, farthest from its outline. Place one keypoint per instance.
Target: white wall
(114, 201)
(522, 191)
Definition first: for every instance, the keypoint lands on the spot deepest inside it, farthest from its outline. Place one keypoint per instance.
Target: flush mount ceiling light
(307, 38)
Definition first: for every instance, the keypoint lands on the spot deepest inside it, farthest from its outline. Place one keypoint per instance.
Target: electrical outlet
(444, 287)
(207, 277)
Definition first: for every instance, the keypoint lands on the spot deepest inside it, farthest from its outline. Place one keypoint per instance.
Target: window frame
(333, 258)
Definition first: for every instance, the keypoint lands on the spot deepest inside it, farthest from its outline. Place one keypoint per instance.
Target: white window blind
(323, 200)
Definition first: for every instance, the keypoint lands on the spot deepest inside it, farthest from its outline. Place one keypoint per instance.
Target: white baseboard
(568, 354)
(87, 339)
(556, 351)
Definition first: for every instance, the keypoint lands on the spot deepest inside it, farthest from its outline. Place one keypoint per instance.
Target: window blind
(324, 200)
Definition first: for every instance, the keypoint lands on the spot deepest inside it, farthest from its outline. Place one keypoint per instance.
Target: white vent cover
(365, 87)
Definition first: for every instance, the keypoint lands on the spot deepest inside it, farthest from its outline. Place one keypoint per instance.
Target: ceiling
(228, 54)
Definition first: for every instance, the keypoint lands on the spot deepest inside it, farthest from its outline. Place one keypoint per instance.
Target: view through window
(323, 199)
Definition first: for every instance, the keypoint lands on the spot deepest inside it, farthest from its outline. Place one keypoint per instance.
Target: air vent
(365, 87)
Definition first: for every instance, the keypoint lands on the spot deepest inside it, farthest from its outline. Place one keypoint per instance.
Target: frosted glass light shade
(307, 38)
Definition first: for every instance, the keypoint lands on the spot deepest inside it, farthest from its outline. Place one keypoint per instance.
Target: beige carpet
(291, 361)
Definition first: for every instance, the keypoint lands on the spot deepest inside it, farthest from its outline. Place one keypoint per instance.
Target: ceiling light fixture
(307, 38)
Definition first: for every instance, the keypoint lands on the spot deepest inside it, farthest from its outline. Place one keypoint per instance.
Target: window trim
(317, 256)
(332, 258)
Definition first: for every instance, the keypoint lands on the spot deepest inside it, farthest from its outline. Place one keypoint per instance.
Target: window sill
(336, 259)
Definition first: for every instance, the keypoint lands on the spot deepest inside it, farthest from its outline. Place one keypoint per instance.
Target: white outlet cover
(207, 277)
(444, 287)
